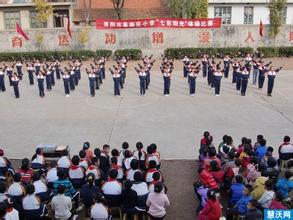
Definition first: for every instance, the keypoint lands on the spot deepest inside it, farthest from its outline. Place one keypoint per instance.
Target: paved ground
(175, 123)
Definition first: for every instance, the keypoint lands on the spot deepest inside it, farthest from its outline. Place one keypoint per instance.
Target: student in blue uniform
(271, 79)
(92, 82)
(227, 62)
(142, 79)
(218, 74)
(2, 81)
(66, 78)
(40, 78)
(14, 82)
(30, 70)
(244, 80)
(18, 66)
(116, 78)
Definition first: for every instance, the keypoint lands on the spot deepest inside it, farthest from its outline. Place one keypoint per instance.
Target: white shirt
(83, 163)
(2, 162)
(63, 162)
(39, 159)
(62, 205)
(65, 76)
(52, 175)
(218, 73)
(99, 211)
(30, 202)
(127, 162)
(140, 188)
(272, 73)
(15, 189)
(266, 199)
(130, 174)
(287, 148)
(40, 76)
(136, 152)
(245, 72)
(40, 186)
(12, 215)
(95, 171)
(166, 74)
(1, 73)
(112, 188)
(76, 173)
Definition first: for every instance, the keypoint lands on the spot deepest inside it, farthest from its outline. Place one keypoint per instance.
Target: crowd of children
(248, 177)
(98, 180)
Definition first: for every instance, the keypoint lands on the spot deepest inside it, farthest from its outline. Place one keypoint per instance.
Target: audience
(247, 177)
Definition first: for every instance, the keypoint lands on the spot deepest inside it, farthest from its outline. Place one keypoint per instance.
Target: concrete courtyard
(174, 123)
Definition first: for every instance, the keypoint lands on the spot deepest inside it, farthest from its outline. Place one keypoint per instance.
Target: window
(224, 13)
(248, 14)
(10, 18)
(59, 17)
(34, 23)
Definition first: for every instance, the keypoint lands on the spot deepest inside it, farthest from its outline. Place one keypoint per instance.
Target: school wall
(148, 39)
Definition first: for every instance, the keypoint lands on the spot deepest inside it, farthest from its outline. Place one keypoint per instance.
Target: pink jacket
(157, 203)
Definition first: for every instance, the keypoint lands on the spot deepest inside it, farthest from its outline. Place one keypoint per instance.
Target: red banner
(158, 23)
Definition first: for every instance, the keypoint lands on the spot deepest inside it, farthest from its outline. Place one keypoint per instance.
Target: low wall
(152, 40)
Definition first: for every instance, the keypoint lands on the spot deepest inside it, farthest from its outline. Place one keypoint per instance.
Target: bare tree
(118, 5)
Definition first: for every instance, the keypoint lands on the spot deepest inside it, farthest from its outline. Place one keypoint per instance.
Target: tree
(201, 9)
(188, 8)
(44, 10)
(118, 5)
(39, 40)
(276, 8)
(83, 37)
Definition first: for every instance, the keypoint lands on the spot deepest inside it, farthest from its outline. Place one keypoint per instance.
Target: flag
(261, 29)
(68, 28)
(21, 32)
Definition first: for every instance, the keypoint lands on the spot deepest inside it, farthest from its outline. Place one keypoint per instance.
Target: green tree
(276, 8)
(201, 9)
(44, 10)
(118, 5)
(188, 8)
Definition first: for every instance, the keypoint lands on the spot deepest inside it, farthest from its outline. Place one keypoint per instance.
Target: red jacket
(218, 176)
(208, 180)
(277, 205)
(211, 211)
(26, 175)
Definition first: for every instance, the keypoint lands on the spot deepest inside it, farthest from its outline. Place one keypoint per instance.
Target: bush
(285, 51)
(103, 53)
(192, 53)
(268, 51)
(133, 54)
(48, 55)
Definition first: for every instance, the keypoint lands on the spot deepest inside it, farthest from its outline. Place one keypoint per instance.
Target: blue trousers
(66, 86)
(192, 85)
(142, 84)
(48, 82)
(261, 80)
(167, 83)
(41, 87)
(31, 77)
(16, 89)
(92, 87)
(2, 83)
(217, 84)
(271, 80)
(116, 86)
(244, 83)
